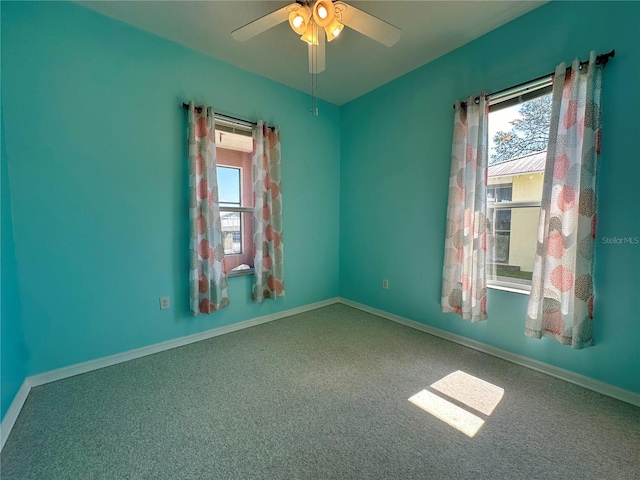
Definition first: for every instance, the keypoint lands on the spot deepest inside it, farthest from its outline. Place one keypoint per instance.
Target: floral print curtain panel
(208, 289)
(561, 299)
(268, 279)
(463, 273)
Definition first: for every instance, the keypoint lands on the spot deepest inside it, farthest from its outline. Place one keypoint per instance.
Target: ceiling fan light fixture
(323, 12)
(299, 19)
(333, 29)
(311, 34)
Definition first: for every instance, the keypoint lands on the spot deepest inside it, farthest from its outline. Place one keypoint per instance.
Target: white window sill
(240, 273)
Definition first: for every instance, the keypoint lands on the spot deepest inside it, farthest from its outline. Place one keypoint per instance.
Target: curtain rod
(229, 118)
(222, 116)
(600, 60)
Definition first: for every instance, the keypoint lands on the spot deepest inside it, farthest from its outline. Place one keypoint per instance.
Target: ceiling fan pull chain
(311, 74)
(315, 80)
(314, 75)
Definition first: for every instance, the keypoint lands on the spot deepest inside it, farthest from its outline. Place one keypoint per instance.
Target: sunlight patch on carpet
(471, 391)
(451, 414)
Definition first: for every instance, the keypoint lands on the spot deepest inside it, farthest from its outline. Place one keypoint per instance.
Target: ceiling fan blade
(317, 60)
(262, 24)
(368, 25)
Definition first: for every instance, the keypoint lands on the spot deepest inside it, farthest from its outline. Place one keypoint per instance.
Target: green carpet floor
(320, 395)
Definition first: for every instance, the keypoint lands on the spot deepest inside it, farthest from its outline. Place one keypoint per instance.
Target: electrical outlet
(164, 303)
(385, 284)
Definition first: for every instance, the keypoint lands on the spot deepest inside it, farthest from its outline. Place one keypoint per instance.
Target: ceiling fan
(318, 20)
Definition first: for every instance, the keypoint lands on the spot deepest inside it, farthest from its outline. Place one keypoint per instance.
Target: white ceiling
(355, 64)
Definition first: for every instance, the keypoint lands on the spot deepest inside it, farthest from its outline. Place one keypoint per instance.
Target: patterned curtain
(268, 281)
(463, 273)
(561, 299)
(208, 289)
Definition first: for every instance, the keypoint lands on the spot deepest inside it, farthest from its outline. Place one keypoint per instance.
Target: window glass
(231, 232)
(229, 186)
(518, 137)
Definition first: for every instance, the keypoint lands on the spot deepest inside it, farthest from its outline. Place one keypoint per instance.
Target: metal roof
(527, 164)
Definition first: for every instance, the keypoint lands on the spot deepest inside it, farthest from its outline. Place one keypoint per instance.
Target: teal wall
(12, 348)
(96, 142)
(396, 141)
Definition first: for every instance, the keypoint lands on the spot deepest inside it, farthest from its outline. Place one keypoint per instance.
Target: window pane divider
(507, 205)
(509, 287)
(236, 209)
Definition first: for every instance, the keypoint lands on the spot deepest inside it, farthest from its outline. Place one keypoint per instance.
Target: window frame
(524, 93)
(229, 127)
(512, 286)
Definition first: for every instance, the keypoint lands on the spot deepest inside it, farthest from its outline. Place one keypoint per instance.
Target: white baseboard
(11, 416)
(566, 375)
(79, 368)
(72, 370)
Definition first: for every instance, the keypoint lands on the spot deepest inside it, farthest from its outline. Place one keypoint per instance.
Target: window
(518, 133)
(234, 147)
(499, 193)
